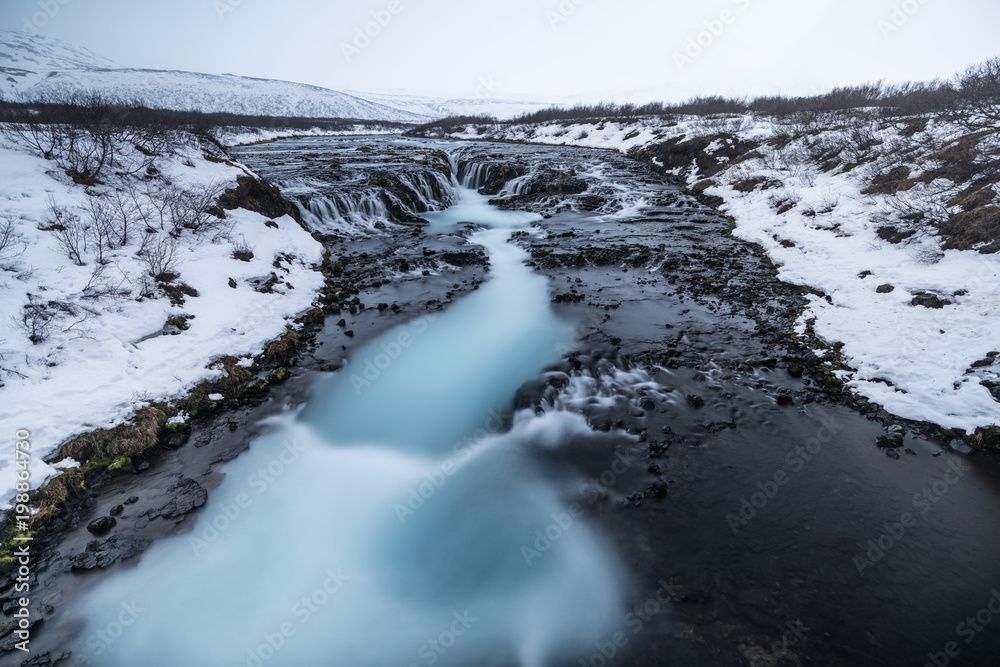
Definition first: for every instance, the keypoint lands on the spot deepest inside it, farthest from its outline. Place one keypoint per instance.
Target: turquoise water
(393, 521)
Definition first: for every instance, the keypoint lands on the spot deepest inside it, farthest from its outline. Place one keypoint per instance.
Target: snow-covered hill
(440, 107)
(211, 93)
(25, 60)
(33, 66)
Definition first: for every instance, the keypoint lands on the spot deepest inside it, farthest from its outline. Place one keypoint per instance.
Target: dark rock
(187, 495)
(256, 195)
(885, 289)
(117, 510)
(102, 525)
(102, 553)
(929, 301)
(785, 399)
(657, 490)
(132, 500)
(696, 401)
(892, 438)
(232, 283)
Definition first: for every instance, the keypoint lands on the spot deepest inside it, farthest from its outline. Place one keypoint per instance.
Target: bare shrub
(192, 208)
(102, 286)
(242, 250)
(159, 254)
(36, 320)
(979, 96)
(11, 241)
(102, 225)
(71, 232)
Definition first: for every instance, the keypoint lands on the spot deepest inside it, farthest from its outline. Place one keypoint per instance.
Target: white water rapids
(390, 522)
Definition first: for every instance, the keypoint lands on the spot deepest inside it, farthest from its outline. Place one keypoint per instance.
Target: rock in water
(102, 526)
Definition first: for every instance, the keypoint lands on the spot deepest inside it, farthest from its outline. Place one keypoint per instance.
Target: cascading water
(358, 206)
(392, 521)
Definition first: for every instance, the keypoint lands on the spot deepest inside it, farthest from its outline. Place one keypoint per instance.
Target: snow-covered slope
(34, 66)
(107, 339)
(190, 91)
(25, 60)
(440, 107)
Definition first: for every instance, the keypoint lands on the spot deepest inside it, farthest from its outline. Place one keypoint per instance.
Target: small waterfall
(517, 186)
(474, 175)
(367, 205)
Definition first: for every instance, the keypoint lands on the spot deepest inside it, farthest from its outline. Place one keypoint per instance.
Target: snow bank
(106, 357)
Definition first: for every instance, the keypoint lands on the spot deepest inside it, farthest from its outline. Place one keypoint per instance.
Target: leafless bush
(11, 241)
(71, 233)
(159, 254)
(103, 286)
(37, 320)
(242, 250)
(103, 227)
(191, 208)
(830, 201)
(979, 96)
(43, 139)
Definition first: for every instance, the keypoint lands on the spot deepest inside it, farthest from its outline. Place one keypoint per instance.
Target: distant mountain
(212, 93)
(439, 107)
(33, 66)
(27, 59)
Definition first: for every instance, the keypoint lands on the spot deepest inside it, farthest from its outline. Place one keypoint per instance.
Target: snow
(242, 136)
(439, 107)
(25, 60)
(926, 354)
(96, 369)
(220, 93)
(36, 65)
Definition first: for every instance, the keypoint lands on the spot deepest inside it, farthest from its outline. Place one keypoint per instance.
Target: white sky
(589, 49)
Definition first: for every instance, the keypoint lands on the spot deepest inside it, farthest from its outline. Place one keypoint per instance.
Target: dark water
(611, 520)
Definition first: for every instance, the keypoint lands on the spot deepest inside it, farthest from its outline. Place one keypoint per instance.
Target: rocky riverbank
(702, 398)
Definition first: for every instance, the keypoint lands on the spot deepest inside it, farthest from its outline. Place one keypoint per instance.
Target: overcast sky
(589, 49)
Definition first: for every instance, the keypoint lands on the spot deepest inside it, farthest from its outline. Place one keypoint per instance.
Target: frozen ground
(821, 231)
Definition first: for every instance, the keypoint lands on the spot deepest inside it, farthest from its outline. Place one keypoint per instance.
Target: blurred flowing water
(386, 523)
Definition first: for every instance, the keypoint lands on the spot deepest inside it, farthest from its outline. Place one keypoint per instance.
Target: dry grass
(132, 439)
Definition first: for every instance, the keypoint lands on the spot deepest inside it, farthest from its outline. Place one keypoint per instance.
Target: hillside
(35, 66)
